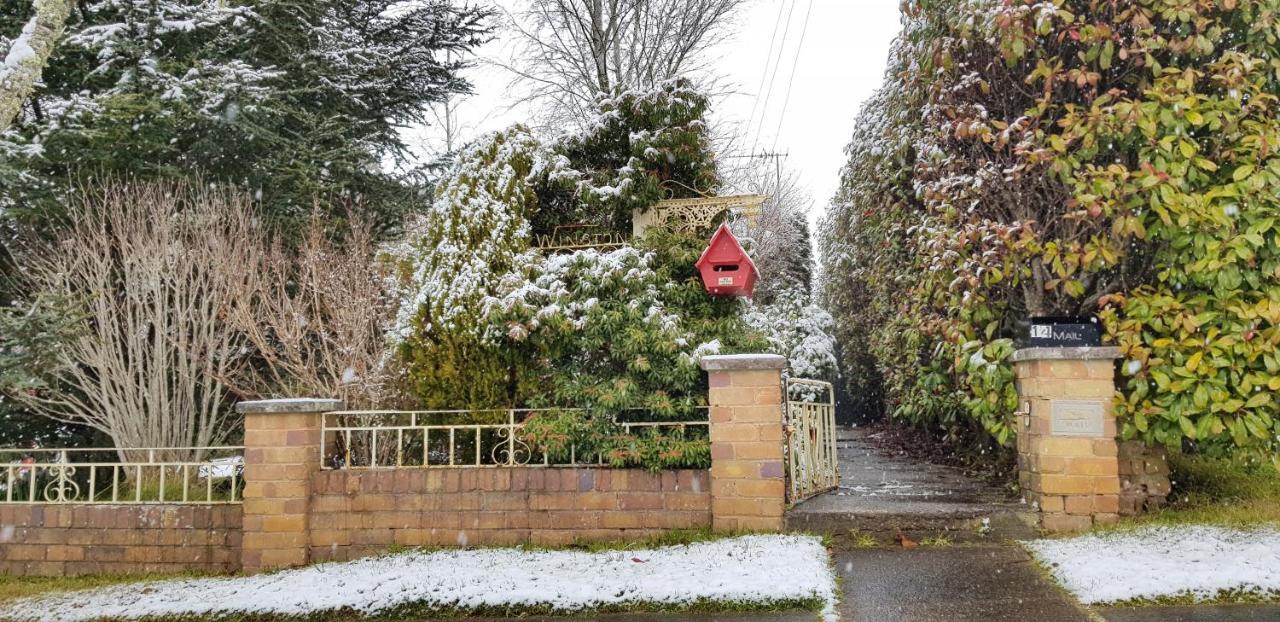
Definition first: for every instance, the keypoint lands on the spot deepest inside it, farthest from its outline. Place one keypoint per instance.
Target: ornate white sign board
(695, 214)
(1076, 417)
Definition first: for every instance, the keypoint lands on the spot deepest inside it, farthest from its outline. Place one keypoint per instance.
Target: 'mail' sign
(1062, 332)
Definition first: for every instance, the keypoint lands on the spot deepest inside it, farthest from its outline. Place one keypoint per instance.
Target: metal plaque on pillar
(1076, 417)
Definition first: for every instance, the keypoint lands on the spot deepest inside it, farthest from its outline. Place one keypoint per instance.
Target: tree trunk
(28, 54)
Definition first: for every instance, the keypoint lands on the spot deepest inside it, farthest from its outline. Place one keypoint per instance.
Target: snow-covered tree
(291, 100)
(27, 55)
(452, 258)
(636, 148)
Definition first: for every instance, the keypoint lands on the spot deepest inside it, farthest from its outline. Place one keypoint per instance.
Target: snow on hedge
(758, 569)
(1152, 562)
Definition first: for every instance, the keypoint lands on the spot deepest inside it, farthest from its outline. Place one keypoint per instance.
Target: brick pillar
(1067, 464)
(747, 481)
(281, 453)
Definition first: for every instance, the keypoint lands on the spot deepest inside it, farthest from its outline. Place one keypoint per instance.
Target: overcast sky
(841, 61)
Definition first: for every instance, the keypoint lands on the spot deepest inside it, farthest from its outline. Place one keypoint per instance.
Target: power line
(764, 74)
(769, 93)
(794, 65)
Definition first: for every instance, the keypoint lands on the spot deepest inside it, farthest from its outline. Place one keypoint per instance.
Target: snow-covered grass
(1167, 562)
(759, 571)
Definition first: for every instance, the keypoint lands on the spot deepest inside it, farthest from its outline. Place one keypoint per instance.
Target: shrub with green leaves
(1071, 158)
(488, 322)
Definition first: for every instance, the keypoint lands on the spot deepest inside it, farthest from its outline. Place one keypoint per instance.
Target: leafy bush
(1070, 158)
(488, 322)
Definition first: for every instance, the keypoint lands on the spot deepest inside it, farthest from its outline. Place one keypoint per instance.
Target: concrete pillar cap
(291, 406)
(743, 362)
(1101, 353)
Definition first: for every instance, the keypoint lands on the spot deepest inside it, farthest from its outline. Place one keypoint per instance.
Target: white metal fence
(122, 476)
(464, 438)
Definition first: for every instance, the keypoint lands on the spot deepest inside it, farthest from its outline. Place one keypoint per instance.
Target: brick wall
(1144, 477)
(358, 513)
(70, 540)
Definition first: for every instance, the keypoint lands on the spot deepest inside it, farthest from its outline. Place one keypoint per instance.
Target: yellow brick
(758, 451)
(736, 507)
(265, 437)
(1052, 504)
(770, 432)
(755, 378)
(1093, 465)
(286, 490)
(769, 395)
(758, 523)
(758, 414)
(280, 558)
(1066, 485)
(1063, 369)
(1087, 388)
(732, 432)
(732, 396)
(767, 488)
(1106, 518)
(1079, 504)
(1063, 446)
(1106, 485)
(734, 469)
(1049, 464)
(1064, 522)
(284, 523)
(1101, 370)
(262, 541)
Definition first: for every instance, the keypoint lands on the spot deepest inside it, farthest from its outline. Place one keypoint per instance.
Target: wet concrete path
(884, 492)
(954, 584)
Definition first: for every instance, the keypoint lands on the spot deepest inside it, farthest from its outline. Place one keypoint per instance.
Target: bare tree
(317, 316)
(152, 269)
(778, 238)
(28, 54)
(574, 50)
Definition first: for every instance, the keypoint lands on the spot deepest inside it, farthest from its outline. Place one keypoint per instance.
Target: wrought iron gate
(812, 465)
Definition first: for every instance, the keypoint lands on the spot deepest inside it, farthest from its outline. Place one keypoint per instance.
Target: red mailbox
(725, 268)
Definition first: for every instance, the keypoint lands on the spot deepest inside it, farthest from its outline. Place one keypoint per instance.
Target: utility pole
(764, 155)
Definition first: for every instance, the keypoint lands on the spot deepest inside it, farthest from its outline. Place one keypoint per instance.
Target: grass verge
(422, 611)
(13, 588)
(1223, 597)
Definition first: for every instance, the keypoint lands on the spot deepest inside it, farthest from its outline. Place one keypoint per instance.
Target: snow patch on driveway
(756, 569)
(1151, 562)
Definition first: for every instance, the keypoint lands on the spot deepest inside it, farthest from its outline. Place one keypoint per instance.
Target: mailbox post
(1068, 467)
(725, 268)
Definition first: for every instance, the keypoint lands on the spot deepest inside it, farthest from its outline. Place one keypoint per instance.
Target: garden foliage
(488, 321)
(1071, 157)
(290, 100)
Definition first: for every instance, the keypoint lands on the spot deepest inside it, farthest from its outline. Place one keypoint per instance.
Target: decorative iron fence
(812, 461)
(122, 476)
(487, 438)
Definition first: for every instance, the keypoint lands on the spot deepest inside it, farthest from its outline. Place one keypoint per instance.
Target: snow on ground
(1163, 561)
(764, 568)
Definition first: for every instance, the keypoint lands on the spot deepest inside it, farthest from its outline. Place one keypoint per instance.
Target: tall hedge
(1069, 157)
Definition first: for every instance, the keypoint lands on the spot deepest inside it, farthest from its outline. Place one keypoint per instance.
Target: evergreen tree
(292, 100)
